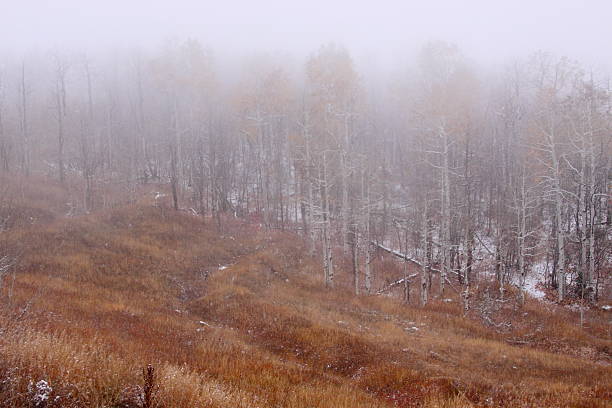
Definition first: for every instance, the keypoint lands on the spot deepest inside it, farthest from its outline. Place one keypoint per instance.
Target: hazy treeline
(446, 164)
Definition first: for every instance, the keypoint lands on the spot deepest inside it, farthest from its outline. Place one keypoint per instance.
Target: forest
(461, 172)
(291, 204)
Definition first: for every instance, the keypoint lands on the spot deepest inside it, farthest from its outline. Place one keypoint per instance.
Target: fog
(487, 31)
(246, 201)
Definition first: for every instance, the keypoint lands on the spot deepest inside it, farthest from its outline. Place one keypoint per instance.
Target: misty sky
(485, 30)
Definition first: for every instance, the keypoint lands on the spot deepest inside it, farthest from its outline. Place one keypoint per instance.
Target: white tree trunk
(591, 271)
(558, 201)
(521, 221)
(445, 210)
(365, 188)
(327, 244)
(424, 263)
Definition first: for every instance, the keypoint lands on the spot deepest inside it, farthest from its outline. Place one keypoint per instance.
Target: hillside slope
(241, 319)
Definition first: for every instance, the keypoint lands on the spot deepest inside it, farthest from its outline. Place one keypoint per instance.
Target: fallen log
(393, 284)
(402, 256)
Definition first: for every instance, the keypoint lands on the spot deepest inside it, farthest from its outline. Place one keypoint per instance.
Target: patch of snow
(531, 287)
(607, 307)
(42, 393)
(223, 267)
(576, 307)
(534, 278)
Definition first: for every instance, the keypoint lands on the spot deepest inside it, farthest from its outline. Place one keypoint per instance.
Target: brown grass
(115, 290)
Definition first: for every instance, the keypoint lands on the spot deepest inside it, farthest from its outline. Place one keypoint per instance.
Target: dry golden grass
(113, 291)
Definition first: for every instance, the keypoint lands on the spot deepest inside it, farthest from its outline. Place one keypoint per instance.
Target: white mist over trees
(446, 164)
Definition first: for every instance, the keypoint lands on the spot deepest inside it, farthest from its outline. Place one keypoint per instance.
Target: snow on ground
(42, 391)
(531, 288)
(534, 276)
